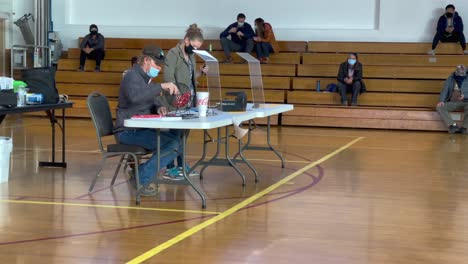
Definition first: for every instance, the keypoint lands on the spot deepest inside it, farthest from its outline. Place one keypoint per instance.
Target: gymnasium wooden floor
(374, 197)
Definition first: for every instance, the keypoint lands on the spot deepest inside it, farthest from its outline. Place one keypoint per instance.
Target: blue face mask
(153, 72)
(351, 62)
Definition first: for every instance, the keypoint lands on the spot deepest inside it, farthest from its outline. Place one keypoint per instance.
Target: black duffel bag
(42, 81)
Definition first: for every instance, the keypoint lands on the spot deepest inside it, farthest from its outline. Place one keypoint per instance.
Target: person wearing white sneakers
(449, 29)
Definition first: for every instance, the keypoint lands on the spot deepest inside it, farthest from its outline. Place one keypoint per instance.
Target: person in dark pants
(265, 41)
(350, 79)
(92, 47)
(454, 97)
(241, 34)
(449, 29)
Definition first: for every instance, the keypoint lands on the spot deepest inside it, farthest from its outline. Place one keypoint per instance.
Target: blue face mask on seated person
(351, 62)
(153, 72)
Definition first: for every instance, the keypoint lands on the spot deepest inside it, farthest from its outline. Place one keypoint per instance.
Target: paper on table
(205, 55)
(238, 131)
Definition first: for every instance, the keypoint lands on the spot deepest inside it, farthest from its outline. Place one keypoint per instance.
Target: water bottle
(318, 86)
(21, 96)
(210, 48)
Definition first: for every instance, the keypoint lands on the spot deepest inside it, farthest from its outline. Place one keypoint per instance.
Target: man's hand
(88, 50)
(233, 30)
(449, 29)
(257, 39)
(348, 80)
(162, 111)
(171, 88)
(240, 34)
(440, 104)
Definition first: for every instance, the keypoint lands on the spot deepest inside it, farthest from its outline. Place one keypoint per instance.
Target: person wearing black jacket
(350, 79)
(241, 34)
(92, 47)
(449, 29)
(138, 96)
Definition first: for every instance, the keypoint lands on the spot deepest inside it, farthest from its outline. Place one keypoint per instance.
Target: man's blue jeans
(146, 138)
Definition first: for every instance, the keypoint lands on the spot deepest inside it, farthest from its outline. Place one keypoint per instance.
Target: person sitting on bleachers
(350, 79)
(449, 29)
(138, 96)
(92, 47)
(241, 34)
(265, 41)
(454, 97)
(133, 61)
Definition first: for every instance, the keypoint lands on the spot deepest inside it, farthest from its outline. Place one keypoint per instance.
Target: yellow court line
(151, 253)
(109, 207)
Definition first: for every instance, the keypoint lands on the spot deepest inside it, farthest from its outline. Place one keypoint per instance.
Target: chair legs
(118, 169)
(103, 161)
(124, 157)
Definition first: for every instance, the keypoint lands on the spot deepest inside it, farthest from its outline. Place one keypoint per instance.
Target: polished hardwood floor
(392, 197)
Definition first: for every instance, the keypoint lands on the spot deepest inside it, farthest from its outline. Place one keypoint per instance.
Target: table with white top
(218, 121)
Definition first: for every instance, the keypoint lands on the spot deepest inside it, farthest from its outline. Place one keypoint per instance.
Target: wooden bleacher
(403, 82)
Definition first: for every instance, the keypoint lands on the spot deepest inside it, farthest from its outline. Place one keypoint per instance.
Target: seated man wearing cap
(138, 96)
(92, 47)
(454, 97)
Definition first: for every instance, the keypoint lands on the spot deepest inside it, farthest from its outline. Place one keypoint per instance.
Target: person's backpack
(332, 88)
(42, 80)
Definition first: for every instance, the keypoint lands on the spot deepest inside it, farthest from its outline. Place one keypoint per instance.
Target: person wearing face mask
(265, 41)
(454, 97)
(350, 79)
(241, 34)
(138, 96)
(181, 68)
(449, 29)
(92, 47)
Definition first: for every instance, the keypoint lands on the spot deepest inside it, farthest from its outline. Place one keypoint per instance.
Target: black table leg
(53, 121)
(1, 118)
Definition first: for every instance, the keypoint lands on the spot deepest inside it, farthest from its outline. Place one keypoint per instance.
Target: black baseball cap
(156, 53)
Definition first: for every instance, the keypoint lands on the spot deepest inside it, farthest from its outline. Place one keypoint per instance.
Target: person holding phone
(241, 38)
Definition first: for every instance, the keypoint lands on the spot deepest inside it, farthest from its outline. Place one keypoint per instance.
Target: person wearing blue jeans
(146, 138)
(139, 96)
(265, 40)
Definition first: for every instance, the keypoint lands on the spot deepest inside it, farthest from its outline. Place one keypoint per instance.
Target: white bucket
(6, 146)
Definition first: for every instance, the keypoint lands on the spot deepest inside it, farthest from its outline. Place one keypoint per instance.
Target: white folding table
(218, 121)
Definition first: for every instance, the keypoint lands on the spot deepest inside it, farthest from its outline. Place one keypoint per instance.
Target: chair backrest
(101, 115)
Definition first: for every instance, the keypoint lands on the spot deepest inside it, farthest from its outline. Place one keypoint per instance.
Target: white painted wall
(331, 20)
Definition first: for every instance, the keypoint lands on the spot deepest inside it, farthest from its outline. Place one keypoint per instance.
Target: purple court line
(80, 198)
(314, 182)
(98, 190)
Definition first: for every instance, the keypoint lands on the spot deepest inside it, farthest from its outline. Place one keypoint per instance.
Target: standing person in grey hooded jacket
(454, 97)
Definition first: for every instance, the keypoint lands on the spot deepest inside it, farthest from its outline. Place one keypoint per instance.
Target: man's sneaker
(97, 69)
(431, 52)
(149, 190)
(173, 175)
(453, 129)
(193, 173)
(81, 68)
(465, 52)
(344, 103)
(228, 60)
(464, 131)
